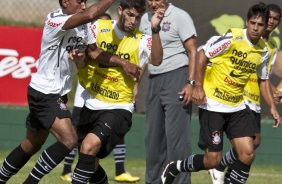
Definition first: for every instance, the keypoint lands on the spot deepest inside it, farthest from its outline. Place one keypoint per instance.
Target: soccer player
(65, 31)
(106, 116)
(252, 94)
(235, 56)
(119, 151)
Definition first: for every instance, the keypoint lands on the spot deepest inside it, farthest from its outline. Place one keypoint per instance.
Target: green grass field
(259, 174)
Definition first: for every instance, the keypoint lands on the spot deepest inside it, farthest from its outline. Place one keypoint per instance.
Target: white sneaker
(216, 176)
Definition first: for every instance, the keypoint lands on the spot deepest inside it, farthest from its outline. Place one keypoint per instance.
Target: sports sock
(13, 163)
(228, 159)
(84, 169)
(47, 161)
(227, 175)
(191, 164)
(119, 155)
(99, 177)
(239, 173)
(68, 161)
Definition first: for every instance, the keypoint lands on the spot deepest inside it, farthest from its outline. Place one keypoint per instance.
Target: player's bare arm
(266, 93)
(85, 15)
(95, 53)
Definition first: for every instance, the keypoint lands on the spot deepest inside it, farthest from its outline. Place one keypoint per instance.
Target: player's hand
(78, 57)
(275, 116)
(132, 70)
(199, 95)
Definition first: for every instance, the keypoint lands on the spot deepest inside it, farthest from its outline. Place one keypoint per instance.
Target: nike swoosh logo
(232, 74)
(215, 178)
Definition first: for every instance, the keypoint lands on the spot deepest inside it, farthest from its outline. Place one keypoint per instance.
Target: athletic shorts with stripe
(44, 108)
(109, 125)
(213, 124)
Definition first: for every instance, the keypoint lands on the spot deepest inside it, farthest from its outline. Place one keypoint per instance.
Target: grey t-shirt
(176, 27)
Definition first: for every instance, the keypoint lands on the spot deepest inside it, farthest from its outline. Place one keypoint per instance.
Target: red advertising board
(19, 53)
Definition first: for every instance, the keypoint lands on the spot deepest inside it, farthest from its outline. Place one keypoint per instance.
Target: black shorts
(213, 124)
(44, 108)
(257, 122)
(75, 115)
(109, 125)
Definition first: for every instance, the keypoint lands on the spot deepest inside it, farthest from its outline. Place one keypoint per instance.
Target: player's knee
(69, 141)
(90, 147)
(247, 157)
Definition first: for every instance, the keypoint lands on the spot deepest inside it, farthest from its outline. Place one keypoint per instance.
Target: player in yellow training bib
(107, 113)
(252, 94)
(235, 56)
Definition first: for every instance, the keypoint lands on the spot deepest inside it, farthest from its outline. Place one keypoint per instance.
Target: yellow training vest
(111, 84)
(252, 91)
(230, 71)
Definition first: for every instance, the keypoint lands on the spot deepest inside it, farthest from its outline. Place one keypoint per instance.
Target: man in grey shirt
(168, 131)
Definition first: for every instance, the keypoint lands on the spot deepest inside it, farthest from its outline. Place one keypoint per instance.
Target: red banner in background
(19, 53)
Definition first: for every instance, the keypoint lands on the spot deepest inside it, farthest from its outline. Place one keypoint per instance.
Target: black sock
(13, 163)
(84, 169)
(99, 177)
(68, 161)
(239, 173)
(192, 164)
(119, 155)
(47, 161)
(228, 159)
(227, 175)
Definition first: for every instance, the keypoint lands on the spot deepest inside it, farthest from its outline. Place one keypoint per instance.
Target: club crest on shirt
(216, 137)
(62, 104)
(166, 26)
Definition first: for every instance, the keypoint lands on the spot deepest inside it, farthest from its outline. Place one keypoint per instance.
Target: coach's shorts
(213, 124)
(109, 125)
(44, 108)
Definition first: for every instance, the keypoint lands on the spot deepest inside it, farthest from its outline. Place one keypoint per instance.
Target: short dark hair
(106, 15)
(275, 8)
(61, 3)
(259, 10)
(139, 5)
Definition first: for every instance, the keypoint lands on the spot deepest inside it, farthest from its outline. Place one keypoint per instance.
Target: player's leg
(217, 174)
(99, 177)
(211, 140)
(68, 161)
(119, 156)
(241, 133)
(22, 153)
(55, 117)
(108, 128)
(54, 154)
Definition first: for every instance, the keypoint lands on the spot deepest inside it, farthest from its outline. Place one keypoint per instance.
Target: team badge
(216, 137)
(62, 104)
(166, 26)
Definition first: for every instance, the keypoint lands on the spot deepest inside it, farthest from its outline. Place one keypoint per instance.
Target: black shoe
(169, 174)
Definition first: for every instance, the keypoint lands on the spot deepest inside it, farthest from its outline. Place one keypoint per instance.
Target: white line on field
(265, 175)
